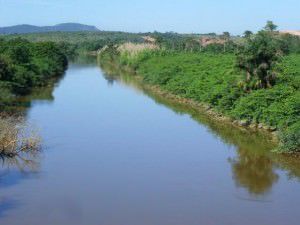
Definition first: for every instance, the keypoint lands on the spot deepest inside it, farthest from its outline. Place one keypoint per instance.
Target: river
(116, 154)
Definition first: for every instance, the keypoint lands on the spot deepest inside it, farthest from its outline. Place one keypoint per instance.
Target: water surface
(116, 154)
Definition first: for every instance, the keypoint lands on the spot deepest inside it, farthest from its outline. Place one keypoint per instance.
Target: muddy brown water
(117, 154)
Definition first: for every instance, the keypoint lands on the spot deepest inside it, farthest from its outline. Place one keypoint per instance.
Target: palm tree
(270, 26)
(258, 58)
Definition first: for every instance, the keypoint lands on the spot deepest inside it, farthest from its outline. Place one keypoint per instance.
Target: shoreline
(198, 106)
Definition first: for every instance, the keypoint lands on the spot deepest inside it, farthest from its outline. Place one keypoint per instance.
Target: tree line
(25, 65)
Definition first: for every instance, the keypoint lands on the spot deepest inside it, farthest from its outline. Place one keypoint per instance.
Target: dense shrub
(290, 138)
(24, 65)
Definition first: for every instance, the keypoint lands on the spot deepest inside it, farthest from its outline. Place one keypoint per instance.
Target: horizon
(99, 29)
(141, 16)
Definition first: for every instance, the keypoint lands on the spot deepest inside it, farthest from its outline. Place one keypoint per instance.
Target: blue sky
(184, 16)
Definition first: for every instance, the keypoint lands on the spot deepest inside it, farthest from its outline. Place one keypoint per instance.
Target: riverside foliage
(214, 79)
(25, 65)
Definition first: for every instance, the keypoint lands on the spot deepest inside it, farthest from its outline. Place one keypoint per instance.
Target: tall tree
(247, 34)
(258, 58)
(270, 26)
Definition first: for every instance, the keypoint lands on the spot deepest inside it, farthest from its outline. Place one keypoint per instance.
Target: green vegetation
(75, 43)
(212, 42)
(258, 57)
(25, 65)
(253, 158)
(254, 79)
(78, 37)
(214, 79)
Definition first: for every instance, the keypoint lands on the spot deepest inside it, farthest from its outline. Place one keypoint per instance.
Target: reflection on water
(20, 105)
(255, 172)
(118, 153)
(12, 171)
(27, 162)
(254, 165)
(6, 205)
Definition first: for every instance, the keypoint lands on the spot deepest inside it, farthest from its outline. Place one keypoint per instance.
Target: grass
(133, 50)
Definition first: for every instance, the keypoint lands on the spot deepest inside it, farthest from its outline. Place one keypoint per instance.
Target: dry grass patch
(132, 49)
(17, 137)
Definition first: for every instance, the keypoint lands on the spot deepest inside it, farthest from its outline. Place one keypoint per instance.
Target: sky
(183, 16)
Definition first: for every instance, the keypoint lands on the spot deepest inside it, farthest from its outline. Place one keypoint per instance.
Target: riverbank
(134, 139)
(24, 66)
(253, 144)
(112, 68)
(210, 83)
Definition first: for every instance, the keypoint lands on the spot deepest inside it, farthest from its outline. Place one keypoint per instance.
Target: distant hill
(63, 27)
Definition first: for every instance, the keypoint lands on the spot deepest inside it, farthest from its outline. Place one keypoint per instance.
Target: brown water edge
(255, 164)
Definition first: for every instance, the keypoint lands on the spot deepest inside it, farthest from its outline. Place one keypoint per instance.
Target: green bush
(25, 65)
(290, 139)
